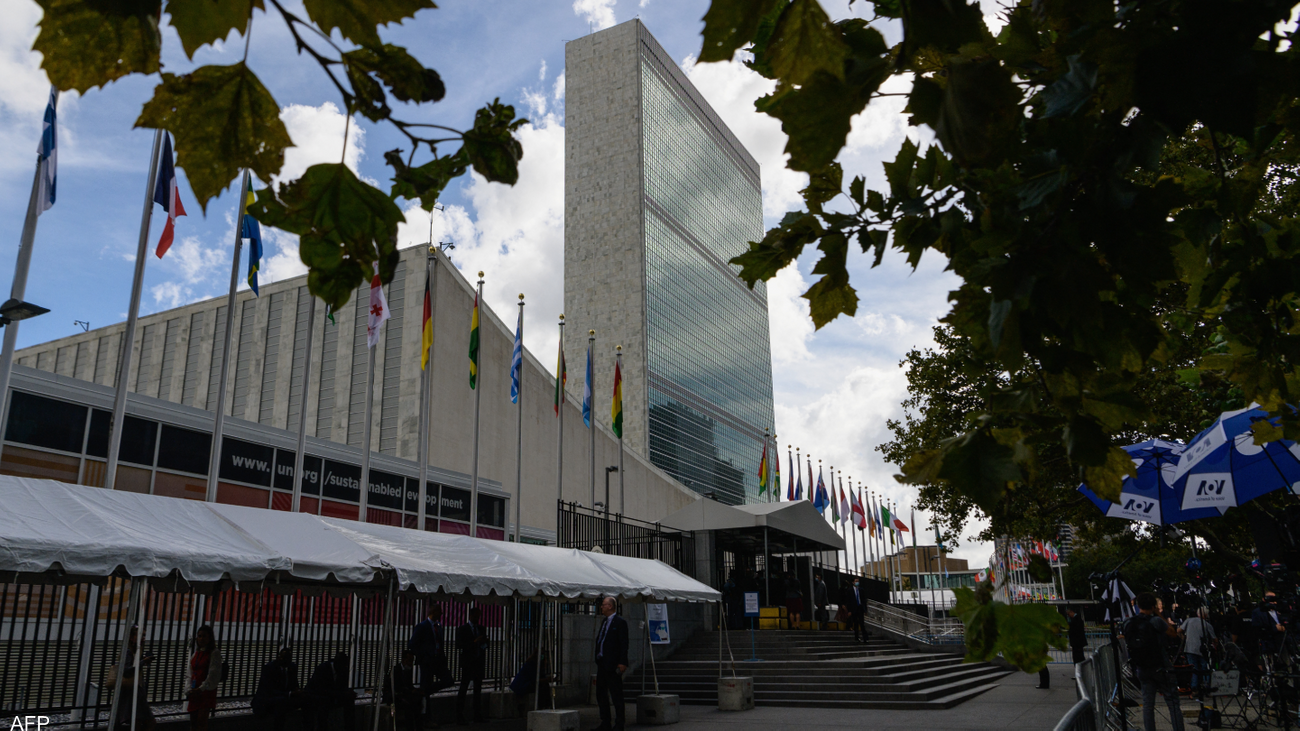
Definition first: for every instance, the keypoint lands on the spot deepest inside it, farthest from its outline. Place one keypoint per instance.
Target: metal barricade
(1080, 717)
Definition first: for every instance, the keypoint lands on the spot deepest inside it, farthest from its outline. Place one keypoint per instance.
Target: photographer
(1269, 624)
(1145, 634)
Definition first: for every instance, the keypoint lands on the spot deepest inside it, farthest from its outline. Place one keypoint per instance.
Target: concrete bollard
(658, 710)
(735, 694)
(557, 720)
(501, 704)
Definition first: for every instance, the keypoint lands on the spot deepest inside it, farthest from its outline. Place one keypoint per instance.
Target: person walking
(402, 694)
(205, 674)
(793, 601)
(1078, 634)
(427, 642)
(277, 690)
(611, 663)
(329, 689)
(1200, 637)
(855, 602)
(1145, 635)
(471, 642)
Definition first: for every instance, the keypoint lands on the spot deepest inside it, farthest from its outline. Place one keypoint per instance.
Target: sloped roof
(798, 518)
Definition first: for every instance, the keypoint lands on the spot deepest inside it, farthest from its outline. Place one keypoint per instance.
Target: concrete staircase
(809, 669)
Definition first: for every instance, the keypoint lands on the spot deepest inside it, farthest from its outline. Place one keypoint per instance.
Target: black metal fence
(57, 643)
(584, 528)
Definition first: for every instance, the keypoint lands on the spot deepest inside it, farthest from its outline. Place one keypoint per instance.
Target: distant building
(659, 195)
(924, 567)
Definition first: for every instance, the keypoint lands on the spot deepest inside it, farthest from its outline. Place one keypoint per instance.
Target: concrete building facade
(173, 385)
(659, 196)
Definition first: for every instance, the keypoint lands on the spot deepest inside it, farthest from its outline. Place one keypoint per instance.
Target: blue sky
(834, 388)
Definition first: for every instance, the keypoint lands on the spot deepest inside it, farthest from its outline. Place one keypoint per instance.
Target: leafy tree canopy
(1083, 266)
(225, 120)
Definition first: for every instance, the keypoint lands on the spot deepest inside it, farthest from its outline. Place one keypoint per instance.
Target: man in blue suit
(611, 663)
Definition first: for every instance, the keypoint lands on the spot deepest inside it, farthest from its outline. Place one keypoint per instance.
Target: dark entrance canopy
(788, 527)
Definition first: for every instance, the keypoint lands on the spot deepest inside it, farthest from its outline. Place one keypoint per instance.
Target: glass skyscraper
(659, 196)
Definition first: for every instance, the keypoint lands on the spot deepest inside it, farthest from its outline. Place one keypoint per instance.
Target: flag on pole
(820, 498)
(379, 313)
(473, 345)
(812, 493)
(329, 314)
(517, 358)
(586, 392)
(875, 516)
(835, 505)
(900, 526)
(762, 470)
(426, 327)
(938, 539)
(616, 406)
(789, 490)
(48, 155)
(846, 508)
(249, 229)
(561, 378)
(884, 517)
(776, 471)
(859, 515)
(798, 488)
(166, 194)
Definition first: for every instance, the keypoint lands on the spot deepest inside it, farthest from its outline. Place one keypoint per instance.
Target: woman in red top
(205, 674)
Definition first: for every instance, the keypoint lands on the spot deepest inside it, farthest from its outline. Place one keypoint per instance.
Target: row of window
(62, 426)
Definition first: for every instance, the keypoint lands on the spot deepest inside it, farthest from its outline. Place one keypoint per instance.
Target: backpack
(1144, 650)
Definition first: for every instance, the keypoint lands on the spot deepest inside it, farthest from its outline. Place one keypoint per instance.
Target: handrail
(1080, 717)
(930, 630)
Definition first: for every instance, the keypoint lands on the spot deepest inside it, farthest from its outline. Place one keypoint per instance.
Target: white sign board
(657, 620)
(751, 604)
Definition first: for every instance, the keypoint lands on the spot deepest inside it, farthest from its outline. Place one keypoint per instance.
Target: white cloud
(24, 89)
(515, 235)
(541, 75)
(194, 272)
(559, 87)
(597, 13)
(317, 134)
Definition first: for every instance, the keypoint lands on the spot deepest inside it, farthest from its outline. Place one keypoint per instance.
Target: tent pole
(384, 670)
(645, 632)
(134, 602)
(541, 632)
(139, 671)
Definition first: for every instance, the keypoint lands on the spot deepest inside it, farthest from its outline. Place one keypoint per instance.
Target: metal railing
(1080, 717)
(585, 529)
(928, 629)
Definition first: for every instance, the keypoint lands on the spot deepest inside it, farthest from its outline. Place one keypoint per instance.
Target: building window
(138, 438)
(184, 450)
(43, 422)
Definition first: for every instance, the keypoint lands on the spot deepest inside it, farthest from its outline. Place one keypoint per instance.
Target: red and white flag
(167, 195)
(859, 515)
(845, 509)
(378, 309)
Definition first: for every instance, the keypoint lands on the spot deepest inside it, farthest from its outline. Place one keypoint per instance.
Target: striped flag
(798, 487)
(249, 229)
(776, 472)
(616, 406)
(835, 503)
(845, 507)
(859, 515)
(426, 327)
(762, 470)
(48, 155)
(812, 493)
(561, 378)
(586, 392)
(473, 345)
(517, 358)
(166, 194)
(820, 498)
(789, 490)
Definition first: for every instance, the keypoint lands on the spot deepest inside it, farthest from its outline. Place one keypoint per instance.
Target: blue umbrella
(1223, 467)
(1150, 496)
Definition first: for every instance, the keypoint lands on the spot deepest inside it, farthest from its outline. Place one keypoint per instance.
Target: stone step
(828, 684)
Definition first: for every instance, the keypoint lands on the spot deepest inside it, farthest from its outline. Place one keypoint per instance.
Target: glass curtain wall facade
(708, 355)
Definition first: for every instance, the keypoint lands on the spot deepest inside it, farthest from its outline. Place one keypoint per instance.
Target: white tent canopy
(52, 530)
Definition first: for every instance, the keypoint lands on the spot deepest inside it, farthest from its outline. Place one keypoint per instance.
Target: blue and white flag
(517, 358)
(820, 499)
(586, 393)
(48, 156)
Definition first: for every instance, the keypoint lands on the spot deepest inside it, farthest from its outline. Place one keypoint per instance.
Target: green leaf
(343, 224)
(1107, 478)
(198, 22)
(899, 172)
(357, 20)
(857, 191)
(729, 25)
(978, 114)
(1069, 93)
(823, 185)
(401, 73)
(832, 295)
(491, 147)
(780, 246)
(425, 182)
(224, 121)
(815, 118)
(88, 43)
(804, 43)
(1020, 633)
(1039, 569)
(945, 25)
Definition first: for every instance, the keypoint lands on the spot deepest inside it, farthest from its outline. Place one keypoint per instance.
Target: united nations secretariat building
(659, 196)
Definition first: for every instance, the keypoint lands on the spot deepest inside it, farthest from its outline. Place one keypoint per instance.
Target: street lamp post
(608, 470)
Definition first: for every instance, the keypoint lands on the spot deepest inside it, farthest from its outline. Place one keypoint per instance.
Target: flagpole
(519, 431)
(560, 399)
(133, 314)
(793, 472)
(622, 504)
(798, 466)
(478, 400)
(591, 411)
(366, 424)
(426, 387)
(19, 288)
(299, 455)
(218, 424)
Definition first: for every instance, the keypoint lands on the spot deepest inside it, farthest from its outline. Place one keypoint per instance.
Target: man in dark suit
(471, 641)
(1078, 635)
(611, 663)
(427, 644)
(855, 602)
(1268, 624)
(277, 690)
(401, 693)
(328, 689)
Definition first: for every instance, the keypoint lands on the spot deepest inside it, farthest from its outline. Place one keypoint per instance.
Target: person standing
(328, 689)
(820, 599)
(1078, 634)
(277, 690)
(855, 603)
(137, 684)
(793, 601)
(205, 674)
(1200, 637)
(401, 693)
(611, 663)
(1268, 625)
(472, 642)
(1145, 635)
(427, 642)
